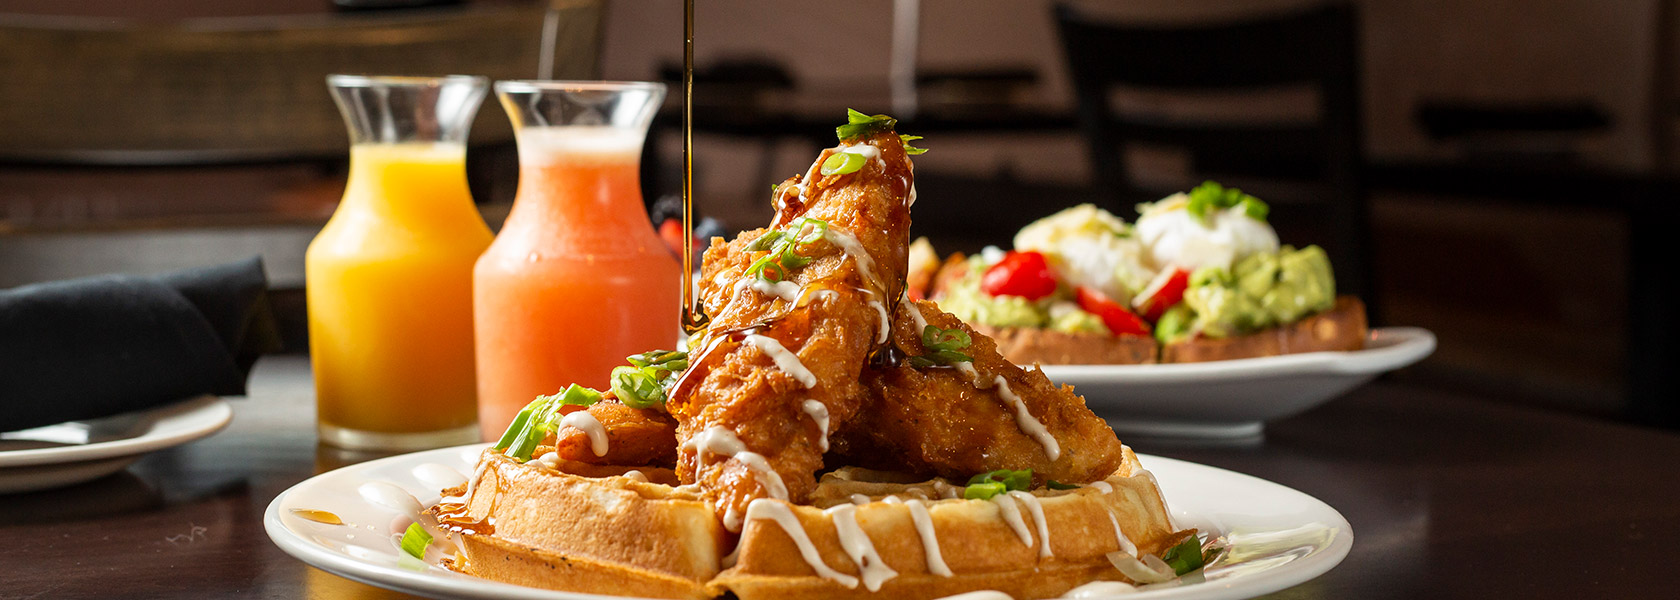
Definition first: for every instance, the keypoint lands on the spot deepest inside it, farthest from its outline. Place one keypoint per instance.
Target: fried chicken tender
(634, 437)
(780, 365)
(958, 421)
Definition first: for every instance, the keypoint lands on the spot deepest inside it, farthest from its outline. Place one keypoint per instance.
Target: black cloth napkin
(100, 346)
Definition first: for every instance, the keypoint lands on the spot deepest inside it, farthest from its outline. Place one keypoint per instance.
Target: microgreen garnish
(644, 383)
(1210, 196)
(908, 149)
(992, 483)
(415, 540)
(1186, 556)
(942, 347)
(783, 247)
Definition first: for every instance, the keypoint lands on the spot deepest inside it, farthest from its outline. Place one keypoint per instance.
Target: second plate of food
(1233, 398)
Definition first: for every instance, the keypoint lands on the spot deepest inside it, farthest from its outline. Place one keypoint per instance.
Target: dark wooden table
(1448, 496)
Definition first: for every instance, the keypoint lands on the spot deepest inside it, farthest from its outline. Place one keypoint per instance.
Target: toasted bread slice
(538, 525)
(1343, 327)
(1031, 345)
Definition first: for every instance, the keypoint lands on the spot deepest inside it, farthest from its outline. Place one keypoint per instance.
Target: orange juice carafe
(389, 279)
(577, 279)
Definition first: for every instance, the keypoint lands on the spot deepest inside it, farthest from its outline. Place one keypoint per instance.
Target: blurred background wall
(1529, 299)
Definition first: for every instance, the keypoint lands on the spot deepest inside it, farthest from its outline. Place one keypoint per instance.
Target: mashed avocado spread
(966, 301)
(1259, 291)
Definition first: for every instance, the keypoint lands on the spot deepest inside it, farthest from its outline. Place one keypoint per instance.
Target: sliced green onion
(1255, 208)
(1186, 556)
(934, 338)
(637, 388)
(908, 149)
(577, 395)
(415, 540)
(1057, 485)
(841, 163)
(766, 241)
(861, 124)
(518, 424)
(1015, 480)
(818, 230)
(1210, 196)
(983, 491)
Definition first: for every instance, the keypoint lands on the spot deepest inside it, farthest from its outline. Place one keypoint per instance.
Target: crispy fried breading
(746, 426)
(634, 437)
(940, 421)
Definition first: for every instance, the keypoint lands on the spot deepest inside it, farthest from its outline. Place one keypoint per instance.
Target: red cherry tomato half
(1165, 291)
(672, 232)
(1116, 317)
(1024, 274)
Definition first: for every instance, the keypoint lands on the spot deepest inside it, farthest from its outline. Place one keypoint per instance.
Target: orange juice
(390, 297)
(577, 279)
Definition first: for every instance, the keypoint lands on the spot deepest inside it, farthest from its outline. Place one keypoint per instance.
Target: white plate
(1279, 537)
(78, 451)
(1231, 398)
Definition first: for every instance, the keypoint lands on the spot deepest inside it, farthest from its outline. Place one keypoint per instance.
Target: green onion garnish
(841, 163)
(1186, 556)
(1210, 196)
(577, 395)
(519, 424)
(783, 249)
(982, 491)
(415, 540)
(1015, 480)
(942, 346)
(908, 149)
(858, 124)
(1057, 485)
(637, 388)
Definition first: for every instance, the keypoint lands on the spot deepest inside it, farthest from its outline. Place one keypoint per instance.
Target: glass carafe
(577, 279)
(389, 278)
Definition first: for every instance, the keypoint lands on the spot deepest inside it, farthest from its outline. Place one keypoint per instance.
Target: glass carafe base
(356, 439)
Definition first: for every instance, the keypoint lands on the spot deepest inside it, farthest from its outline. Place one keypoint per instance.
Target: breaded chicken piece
(959, 421)
(779, 367)
(635, 437)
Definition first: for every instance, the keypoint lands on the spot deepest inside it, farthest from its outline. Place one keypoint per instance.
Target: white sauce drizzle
(732, 519)
(819, 414)
(1037, 512)
(787, 361)
(857, 545)
(550, 460)
(1126, 544)
(930, 541)
(1100, 589)
(784, 289)
(912, 195)
(886, 322)
(946, 490)
(915, 313)
(389, 496)
(478, 473)
(860, 499)
(1012, 515)
(980, 595)
(635, 475)
(1027, 423)
(867, 151)
(717, 440)
(1102, 486)
(590, 426)
(763, 509)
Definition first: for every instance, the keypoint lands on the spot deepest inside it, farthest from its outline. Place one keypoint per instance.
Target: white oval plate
(1279, 537)
(80, 451)
(1231, 398)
